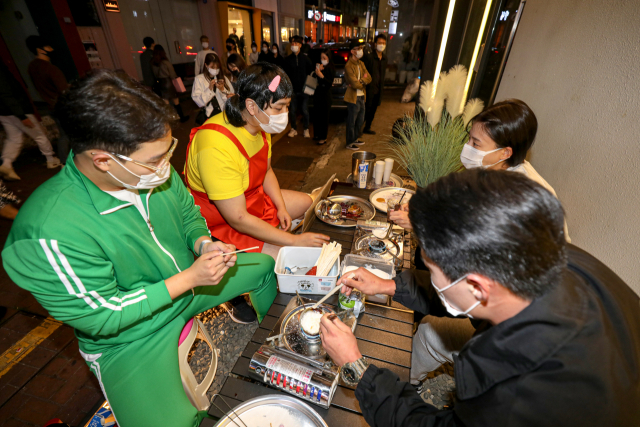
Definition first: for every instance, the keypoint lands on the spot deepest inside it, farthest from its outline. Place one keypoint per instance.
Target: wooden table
(384, 335)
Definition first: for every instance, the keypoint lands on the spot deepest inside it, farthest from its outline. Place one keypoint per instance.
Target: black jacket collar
(522, 343)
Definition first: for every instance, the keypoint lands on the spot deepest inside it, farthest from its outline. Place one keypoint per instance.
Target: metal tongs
(224, 412)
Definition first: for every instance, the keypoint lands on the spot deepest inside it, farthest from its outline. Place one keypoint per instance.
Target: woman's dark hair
(265, 43)
(327, 52)
(159, 55)
(499, 224)
(510, 123)
(108, 110)
(253, 83)
(236, 60)
(277, 47)
(231, 41)
(254, 44)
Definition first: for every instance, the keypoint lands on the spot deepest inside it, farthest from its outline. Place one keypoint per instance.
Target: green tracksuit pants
(141, 380)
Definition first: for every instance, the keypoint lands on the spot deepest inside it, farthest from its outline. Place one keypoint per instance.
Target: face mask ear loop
(123, 166)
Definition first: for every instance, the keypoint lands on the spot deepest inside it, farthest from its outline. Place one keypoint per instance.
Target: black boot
(178, 108)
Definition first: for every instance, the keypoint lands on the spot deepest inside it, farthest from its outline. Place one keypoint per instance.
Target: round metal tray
(385, 193)
(367, 207)
(272, 409)
(295, 340)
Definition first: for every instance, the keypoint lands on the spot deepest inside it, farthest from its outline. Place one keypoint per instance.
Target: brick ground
(53, 380)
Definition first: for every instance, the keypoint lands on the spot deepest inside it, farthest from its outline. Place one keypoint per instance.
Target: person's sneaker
(8, 173)
(292, 133)
(239, 310)
(53, 163)
(306, 133)
(353, 147)
(358, 142)
(369, 132)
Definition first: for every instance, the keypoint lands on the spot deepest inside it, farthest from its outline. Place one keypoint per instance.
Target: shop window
(240, 30)
(267, 25)
(289, 28)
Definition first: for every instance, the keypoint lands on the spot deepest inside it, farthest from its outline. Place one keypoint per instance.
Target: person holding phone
(211, 83)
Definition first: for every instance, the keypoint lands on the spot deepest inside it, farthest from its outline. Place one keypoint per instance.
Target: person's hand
(212, 84)
(319, 73)
(28, 123)
(220, 85)
(366, 282)
(219, 247)
(401, 217)
(207, 270)
(311, 239)
(285, 219)
(338, 341)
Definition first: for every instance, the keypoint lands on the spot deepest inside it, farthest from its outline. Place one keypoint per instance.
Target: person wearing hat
(357, 78)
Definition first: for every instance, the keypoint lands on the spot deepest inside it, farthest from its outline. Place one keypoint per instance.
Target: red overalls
(259, 204)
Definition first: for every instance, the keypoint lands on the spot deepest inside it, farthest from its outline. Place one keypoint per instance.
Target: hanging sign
(111, 5)
(317, 15)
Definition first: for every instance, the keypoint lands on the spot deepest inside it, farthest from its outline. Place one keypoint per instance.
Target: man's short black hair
(380, 36)
(34, 43)
(148, 42)
(510, 123)
(253, 83)
(297, 39)
(203, 37)
(231, 41)
(108, 110)
(499, 224)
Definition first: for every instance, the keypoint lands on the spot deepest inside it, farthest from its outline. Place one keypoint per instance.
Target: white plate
(387, 193)
(272, 409)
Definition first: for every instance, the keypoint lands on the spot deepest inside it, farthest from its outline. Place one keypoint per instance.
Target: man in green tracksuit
(107, 247)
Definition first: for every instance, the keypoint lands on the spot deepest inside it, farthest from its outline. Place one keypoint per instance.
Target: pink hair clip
(274, 83)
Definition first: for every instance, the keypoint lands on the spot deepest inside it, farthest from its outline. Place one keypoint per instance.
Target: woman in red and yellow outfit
(229, 173)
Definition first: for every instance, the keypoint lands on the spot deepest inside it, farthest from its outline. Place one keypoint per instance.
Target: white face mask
(265, 50)
(295, 49)
(275, 51)
(205, 45)
(381, 47)
(452, 311)
(472, 157)
(214, 71)
(254, 49)
(277, 122)
(325, 62)
(359, 53)
(147, 182)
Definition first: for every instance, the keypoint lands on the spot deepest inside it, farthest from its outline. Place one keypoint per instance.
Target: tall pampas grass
(472, 109)
(456, 81)
(428, 145)
(429, 153)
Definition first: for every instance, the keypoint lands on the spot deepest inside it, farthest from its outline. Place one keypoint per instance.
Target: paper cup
(388, 167)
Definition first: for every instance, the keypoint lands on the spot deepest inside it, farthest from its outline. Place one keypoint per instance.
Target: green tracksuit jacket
(93, 261)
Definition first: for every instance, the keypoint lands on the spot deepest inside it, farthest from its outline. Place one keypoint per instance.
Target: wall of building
(577, 64)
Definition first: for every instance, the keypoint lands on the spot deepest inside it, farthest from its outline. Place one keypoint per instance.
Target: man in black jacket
(562, 347)
(376, 63)
(298, 67)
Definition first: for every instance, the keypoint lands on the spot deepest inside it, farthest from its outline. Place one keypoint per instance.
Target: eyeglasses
(161, 168)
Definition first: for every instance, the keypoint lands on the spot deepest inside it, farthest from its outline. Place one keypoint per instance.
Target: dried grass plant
(428, 145)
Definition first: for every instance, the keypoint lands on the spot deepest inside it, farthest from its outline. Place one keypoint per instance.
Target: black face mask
(235, 73)
(229, 47)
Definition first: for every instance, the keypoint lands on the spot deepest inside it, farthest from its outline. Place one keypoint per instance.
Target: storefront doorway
(174, 24)
(267, 27)
(240, 28)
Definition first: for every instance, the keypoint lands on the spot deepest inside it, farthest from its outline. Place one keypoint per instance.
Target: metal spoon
(335, 211)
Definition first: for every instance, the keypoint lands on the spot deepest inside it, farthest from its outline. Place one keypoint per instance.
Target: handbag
(310, 85)
(177, 83)
(202, 114)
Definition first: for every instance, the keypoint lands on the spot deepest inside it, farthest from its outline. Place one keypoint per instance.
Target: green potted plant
(428, 145)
